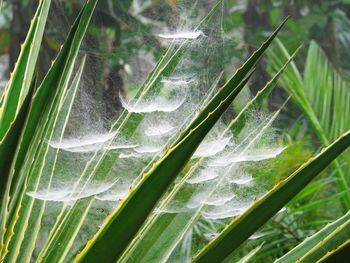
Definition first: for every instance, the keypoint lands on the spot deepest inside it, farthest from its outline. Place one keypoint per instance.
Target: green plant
(324, 199)
(32, 115)
(322, 99)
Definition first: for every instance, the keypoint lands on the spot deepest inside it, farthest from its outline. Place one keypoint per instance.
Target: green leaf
(8, 147)
(46, 164)
(46, 99)
(335, 239)
(250, 255)
(322, 99)
(263, 209)
(310, 242)
(337, 255)
(21, 78)
(238, 123)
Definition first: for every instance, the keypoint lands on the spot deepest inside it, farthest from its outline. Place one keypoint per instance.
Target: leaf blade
(263, 209)
(312, 241)
(21, 78)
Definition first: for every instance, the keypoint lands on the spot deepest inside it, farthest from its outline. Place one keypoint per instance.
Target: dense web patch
(94, 156)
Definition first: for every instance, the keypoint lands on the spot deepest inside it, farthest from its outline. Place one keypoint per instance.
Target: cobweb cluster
(215, 186)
